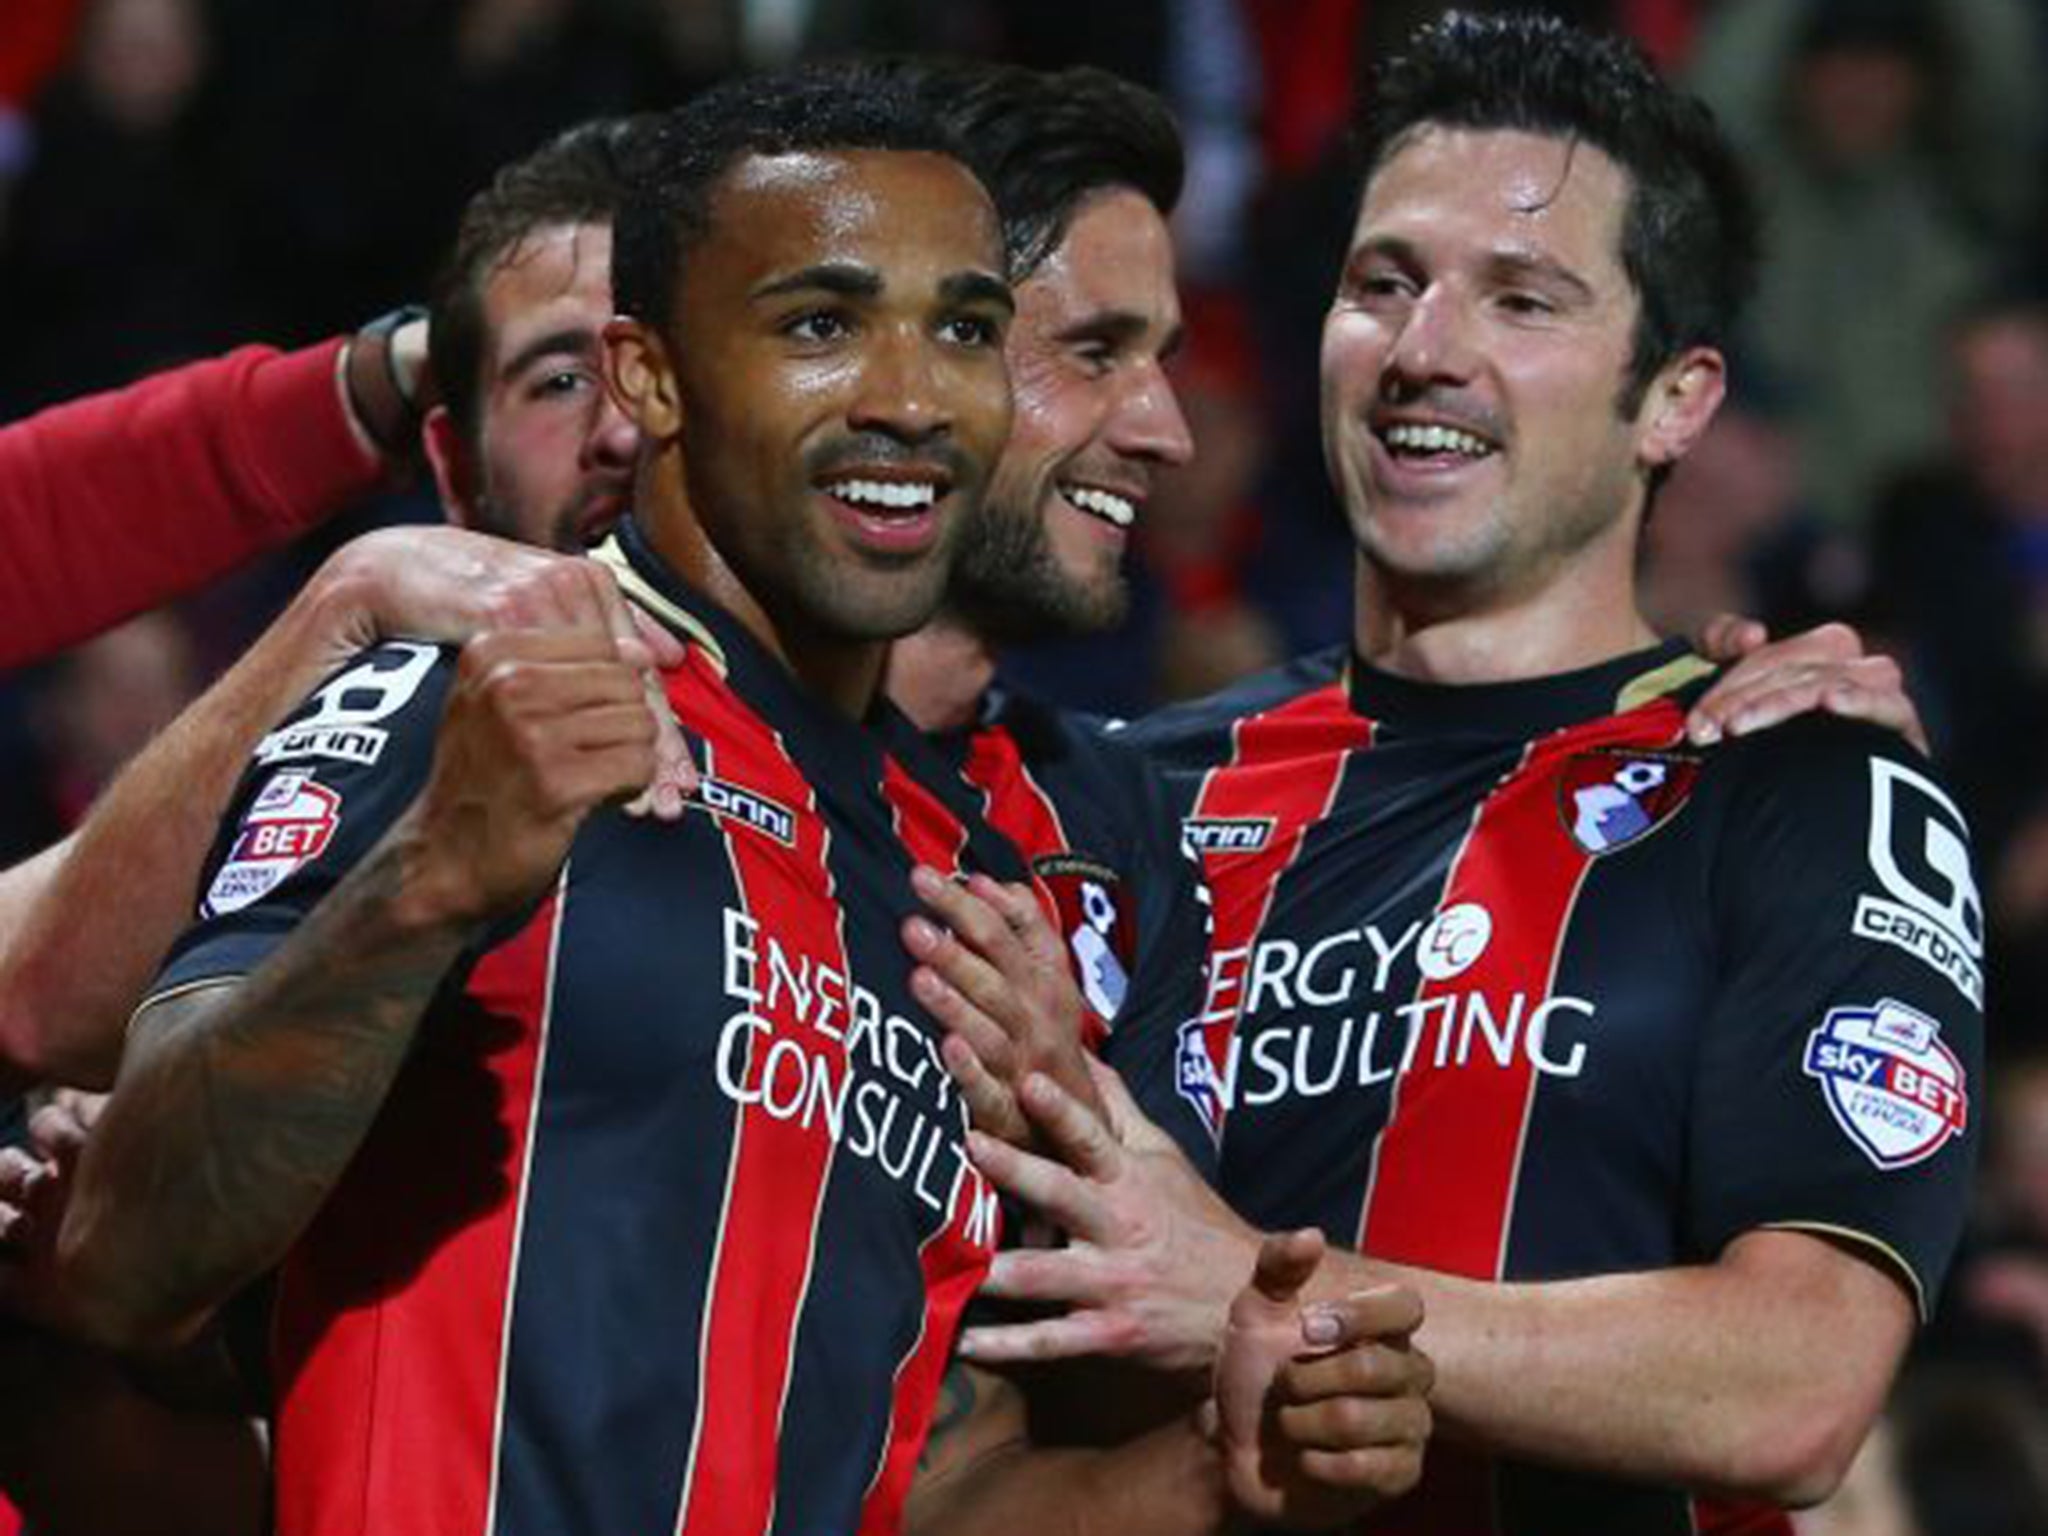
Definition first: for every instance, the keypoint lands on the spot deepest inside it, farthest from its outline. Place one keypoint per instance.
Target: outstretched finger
(1076, 1132)
(1054, 1338)
(991, 1107)
(1068, 1274)
(958, 1016)
(974, 921)
(1048, 1187)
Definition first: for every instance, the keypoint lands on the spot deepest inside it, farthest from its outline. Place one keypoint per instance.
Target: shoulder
(1817, 759)
(396, 686)
(1199, 732)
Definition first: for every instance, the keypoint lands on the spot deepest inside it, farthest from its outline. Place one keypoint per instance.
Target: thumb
(1285, 1263)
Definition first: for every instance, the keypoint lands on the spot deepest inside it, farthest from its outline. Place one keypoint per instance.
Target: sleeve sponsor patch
(290, 823)
(1894, 1087)
(340, 723)
(1928, 904)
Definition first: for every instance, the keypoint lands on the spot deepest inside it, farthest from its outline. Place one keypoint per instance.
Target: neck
(844, 674)
(938, 675)
(1580, 615)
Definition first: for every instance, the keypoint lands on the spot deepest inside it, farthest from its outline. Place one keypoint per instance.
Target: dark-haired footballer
(1655, 1068)
(641, 1203)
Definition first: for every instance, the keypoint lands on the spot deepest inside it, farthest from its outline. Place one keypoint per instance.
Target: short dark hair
(1688, 237)
(578, 177)
(1043, 143)
(818, 107)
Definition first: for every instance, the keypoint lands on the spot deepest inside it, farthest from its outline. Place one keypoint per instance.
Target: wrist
(383, 380)
(433, 895)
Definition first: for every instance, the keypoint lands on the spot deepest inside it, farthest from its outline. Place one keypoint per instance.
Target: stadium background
(180, 176)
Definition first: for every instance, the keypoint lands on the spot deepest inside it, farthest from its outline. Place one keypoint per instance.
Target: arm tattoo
(956, 1407)
(239, 1106)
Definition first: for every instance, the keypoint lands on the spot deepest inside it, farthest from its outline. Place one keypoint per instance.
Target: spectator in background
(104, 701)
(119, 227)
(1897, 143)
(1960, 587)
(1996, 1312)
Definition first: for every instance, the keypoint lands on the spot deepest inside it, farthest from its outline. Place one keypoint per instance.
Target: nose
(1433, 345)
(903, 389)
(1149, 421)
(613, 440)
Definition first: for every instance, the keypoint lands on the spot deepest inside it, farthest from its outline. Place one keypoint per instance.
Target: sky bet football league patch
(290, 824)
(1892, 1085)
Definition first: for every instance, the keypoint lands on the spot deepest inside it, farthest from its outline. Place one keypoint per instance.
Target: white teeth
(1106, 505)
(886, 493)
(1433, 439)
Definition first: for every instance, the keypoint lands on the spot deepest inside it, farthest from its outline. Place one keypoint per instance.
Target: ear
(638, 372)
(1679, 405)
(455, 476)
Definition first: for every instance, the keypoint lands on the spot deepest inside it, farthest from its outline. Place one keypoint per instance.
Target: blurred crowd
(178, 176)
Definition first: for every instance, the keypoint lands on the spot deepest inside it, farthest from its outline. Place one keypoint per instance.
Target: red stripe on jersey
(351, 1413)
(1284, 771)
(1730, 1517)
(954, 1262)
(779, 1166)
(1016, 805)
(931, 833)
(1442, 1188)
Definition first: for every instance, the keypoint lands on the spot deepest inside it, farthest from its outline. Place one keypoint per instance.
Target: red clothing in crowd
(114, 503)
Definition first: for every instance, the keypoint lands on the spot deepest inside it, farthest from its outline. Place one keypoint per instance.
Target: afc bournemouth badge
(1612, 796)
(1891, 1083)
(290, 824)
(1100, 933)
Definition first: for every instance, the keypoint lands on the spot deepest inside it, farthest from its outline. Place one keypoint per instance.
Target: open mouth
(885, 496)
(894, 513)
(1117, 510)
(1420, 442)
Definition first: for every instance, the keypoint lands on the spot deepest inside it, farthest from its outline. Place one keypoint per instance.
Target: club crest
(1892, 1084)
(1611, 797)
(1099, 930)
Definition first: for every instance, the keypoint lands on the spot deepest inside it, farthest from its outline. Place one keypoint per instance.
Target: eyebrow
(569, 340)
(977, 288)
(851, 280)
(1500, 263)
(1121, 328)
(848, 279)
(1534, 264)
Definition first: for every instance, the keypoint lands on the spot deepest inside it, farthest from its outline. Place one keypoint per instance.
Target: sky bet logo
(1896, 1090)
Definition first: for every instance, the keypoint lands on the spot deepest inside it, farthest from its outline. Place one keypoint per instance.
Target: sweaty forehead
(1503, 186)
(556, 274)
(795, 209)
(1114, 259)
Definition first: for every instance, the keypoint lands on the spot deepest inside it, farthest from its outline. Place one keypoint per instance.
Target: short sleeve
(1840, 1072)
(319, 793)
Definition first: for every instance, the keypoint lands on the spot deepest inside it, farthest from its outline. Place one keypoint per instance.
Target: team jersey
(1107, 856)
(667, 1223)
(1511, 983)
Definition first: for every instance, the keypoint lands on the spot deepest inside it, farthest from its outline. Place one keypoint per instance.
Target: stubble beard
(1008, 585)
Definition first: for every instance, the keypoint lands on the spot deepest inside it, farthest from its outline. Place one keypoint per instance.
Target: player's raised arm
(84, 924)
(242, 1098)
